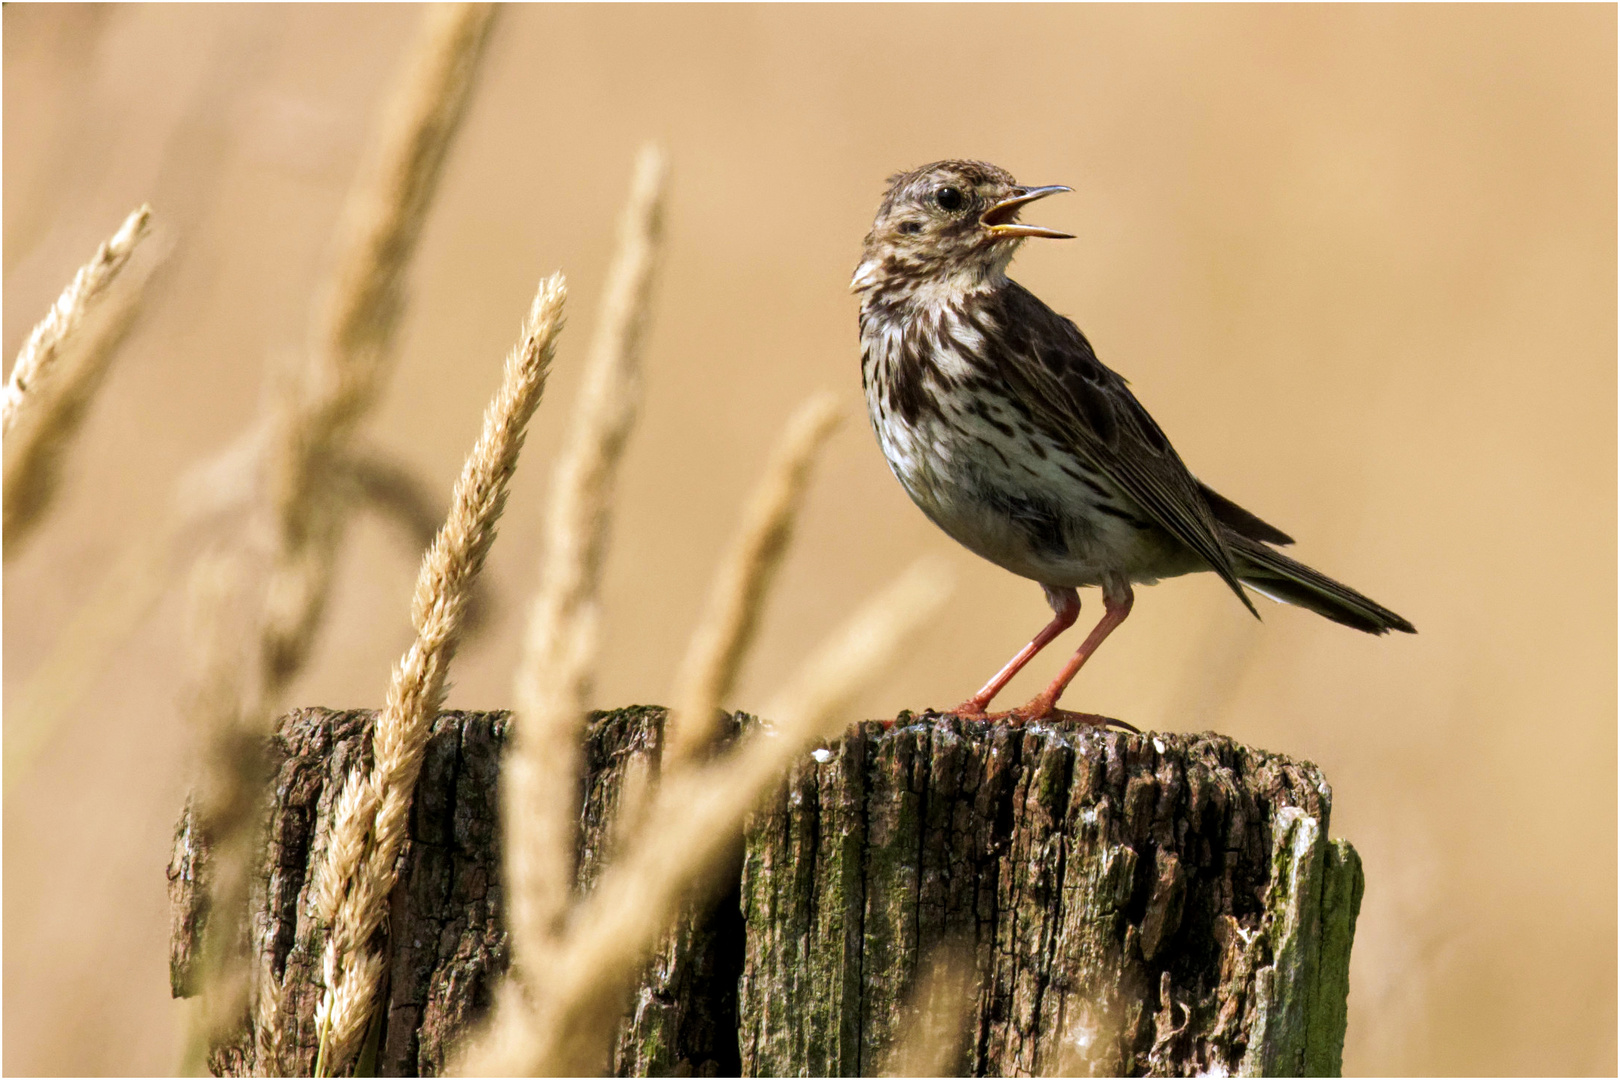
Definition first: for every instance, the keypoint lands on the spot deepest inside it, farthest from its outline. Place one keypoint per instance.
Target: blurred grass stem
(930, 1042)
(355, 320)
(695, 819)
(538, 797)
(731, 618)
(283, 574)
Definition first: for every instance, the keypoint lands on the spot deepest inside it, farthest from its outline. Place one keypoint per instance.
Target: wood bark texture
(1152, 904)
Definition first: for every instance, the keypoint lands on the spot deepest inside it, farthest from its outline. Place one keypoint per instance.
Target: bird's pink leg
(1066, 607)
(1117, 600)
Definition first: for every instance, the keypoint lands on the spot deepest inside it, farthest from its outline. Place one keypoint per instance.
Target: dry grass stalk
(269, 1025)
(731, 617)
(930, 1043)
(552, 683)
(39, 353)
(351, 332)
(375, 806)
(355, 321)
(696, 817)
(353, 329)
(224, 799)
(300, 518)
(143, 574)
(62, 366)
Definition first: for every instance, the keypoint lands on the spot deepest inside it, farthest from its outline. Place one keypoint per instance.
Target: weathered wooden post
(1132, 904)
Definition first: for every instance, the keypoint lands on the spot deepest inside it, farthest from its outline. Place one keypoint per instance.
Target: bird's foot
(1086, 719)
(1038, 708)
(971, 709)
(1041, 707)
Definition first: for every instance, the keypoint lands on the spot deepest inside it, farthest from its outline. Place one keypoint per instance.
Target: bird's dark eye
(949, 199)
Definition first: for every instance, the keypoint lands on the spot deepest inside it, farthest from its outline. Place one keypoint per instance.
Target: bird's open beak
(998, 220)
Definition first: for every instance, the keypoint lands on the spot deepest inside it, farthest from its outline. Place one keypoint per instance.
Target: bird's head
(951, 223)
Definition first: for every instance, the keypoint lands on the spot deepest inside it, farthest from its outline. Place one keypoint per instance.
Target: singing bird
(1008, 432)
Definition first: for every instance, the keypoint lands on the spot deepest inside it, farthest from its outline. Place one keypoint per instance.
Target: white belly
(1011, 494)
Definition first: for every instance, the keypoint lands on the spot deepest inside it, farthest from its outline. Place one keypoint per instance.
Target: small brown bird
(1008, 432)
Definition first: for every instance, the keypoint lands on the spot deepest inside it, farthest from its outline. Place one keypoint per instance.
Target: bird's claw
(1037, 710)
(1085, 719)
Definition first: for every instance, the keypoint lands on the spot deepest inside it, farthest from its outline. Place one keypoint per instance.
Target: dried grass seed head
(355, 890)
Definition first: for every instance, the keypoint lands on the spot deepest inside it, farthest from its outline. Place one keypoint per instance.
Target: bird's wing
(1239, 520)
(1051, 369)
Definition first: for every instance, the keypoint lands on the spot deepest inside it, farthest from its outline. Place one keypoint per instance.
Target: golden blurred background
(1358, 261)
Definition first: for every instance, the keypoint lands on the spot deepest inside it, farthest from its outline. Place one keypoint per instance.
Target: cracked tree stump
(1129, 904)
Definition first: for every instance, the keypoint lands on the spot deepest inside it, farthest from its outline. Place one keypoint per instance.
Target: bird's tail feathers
(1275, 575)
